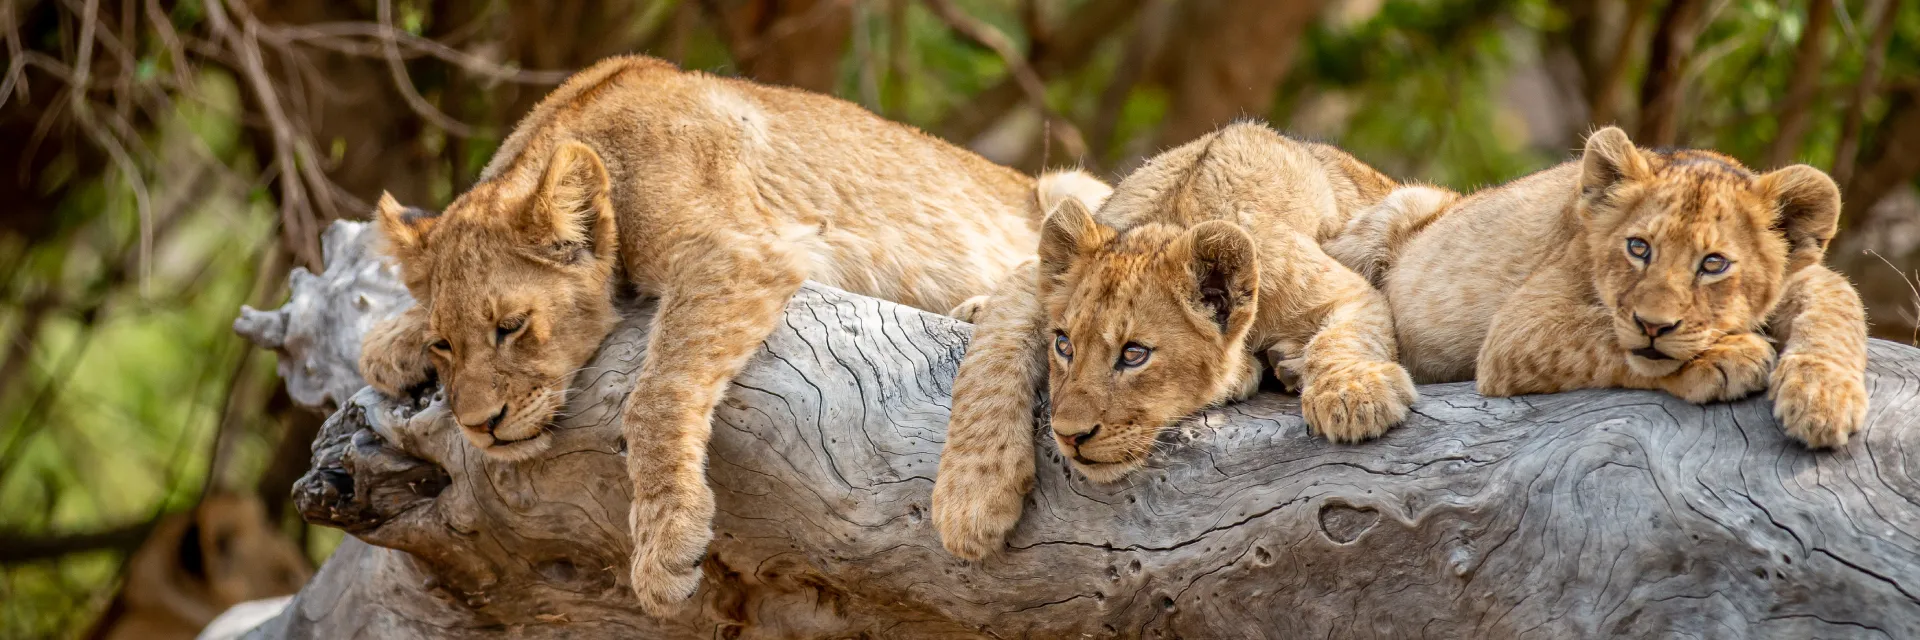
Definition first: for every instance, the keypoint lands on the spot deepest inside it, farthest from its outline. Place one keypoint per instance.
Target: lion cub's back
(880, 208)
(1245, 172)
(1453, 276)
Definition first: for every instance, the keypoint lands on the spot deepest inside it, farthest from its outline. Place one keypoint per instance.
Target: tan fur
(196, 565)
(1210, 255)
(1530, 286)
(718, 196)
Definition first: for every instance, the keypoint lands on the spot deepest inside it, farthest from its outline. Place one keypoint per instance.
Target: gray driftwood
(1574, 515)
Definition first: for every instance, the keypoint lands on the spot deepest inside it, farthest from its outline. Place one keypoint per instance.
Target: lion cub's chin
(1107, 472)
(1654, 368)
(509, 450)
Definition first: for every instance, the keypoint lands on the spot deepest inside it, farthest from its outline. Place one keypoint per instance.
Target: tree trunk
(1578, 514)
(1227, 61)
(1661, 92)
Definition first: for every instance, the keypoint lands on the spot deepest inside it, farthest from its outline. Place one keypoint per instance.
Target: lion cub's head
(1688, 245)
(517, 278)
(1147, 327)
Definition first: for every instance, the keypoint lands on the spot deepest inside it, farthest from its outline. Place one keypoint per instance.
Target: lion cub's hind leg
(1370, 244)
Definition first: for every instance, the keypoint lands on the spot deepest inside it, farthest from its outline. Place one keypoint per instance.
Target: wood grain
(1600, 513)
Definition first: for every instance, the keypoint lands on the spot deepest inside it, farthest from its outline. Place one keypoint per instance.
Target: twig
(337, 37)
(1912, 287)
(1080, 32)
(986, 35)
(123, 163)
(18, 547)
(404, 83)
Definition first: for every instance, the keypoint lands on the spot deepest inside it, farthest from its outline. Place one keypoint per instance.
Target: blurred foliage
(126, 394)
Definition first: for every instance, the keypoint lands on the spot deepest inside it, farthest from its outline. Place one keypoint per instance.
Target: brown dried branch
(390, 50)
(344, 38)
(1036, 91)
(21, 547)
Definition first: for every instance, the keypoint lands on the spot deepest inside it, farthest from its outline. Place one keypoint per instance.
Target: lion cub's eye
(509, 327)
(441, 346)
(1714, 264)
(1134, 355)
(1639, 248)
(1063, 346)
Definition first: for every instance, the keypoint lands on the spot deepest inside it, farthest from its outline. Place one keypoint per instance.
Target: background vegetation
(164, 161)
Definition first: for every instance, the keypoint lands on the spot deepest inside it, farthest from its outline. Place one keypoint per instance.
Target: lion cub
(717, 196)
(1632, 268)
(1158, 307)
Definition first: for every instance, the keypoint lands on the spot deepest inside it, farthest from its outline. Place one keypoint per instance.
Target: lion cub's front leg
(1545, 339)
(393, 354)
(1734, 367)
(1819, 388)
(721, 298)
(1352, 387)
(986, 464)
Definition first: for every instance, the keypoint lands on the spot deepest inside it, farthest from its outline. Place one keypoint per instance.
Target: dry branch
(1585, 514)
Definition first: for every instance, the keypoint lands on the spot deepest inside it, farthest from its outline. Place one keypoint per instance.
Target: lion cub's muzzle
(514, 431)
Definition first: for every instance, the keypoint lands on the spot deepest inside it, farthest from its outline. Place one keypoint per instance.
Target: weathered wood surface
(1572, 515)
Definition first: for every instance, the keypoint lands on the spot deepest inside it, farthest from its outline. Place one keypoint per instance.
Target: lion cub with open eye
(1157, 307)
(1631, 268)
(717, 196)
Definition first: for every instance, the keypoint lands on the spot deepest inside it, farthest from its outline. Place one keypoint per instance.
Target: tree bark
(1570, 515)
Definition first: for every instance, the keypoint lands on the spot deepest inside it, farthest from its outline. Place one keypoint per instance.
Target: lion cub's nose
(1076, 438)
(487, 424)
(1655, 328)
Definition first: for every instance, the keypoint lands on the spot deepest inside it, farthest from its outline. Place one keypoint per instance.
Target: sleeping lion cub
(717, 196)
(1157, 307)
(1629, 268)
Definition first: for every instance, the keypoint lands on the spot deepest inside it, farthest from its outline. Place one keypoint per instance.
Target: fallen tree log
(1579, 514)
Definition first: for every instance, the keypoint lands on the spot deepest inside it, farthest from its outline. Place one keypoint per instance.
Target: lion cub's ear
(1806, 211)
(572, 211)
(1225, 268)
(1610, 159)
(404, 228)
(1068, 233)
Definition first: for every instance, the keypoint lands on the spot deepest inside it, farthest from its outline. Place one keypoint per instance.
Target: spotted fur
(1535, 286)
(1209, 255)
(717, 196)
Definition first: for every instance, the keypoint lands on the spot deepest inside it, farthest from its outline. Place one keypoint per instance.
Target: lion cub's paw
(970, 310)
(1734, 367)
(393, 360)
(1357, 401)
(1818, 401)
(976, 503)
(670, 539)
(1289, 364)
